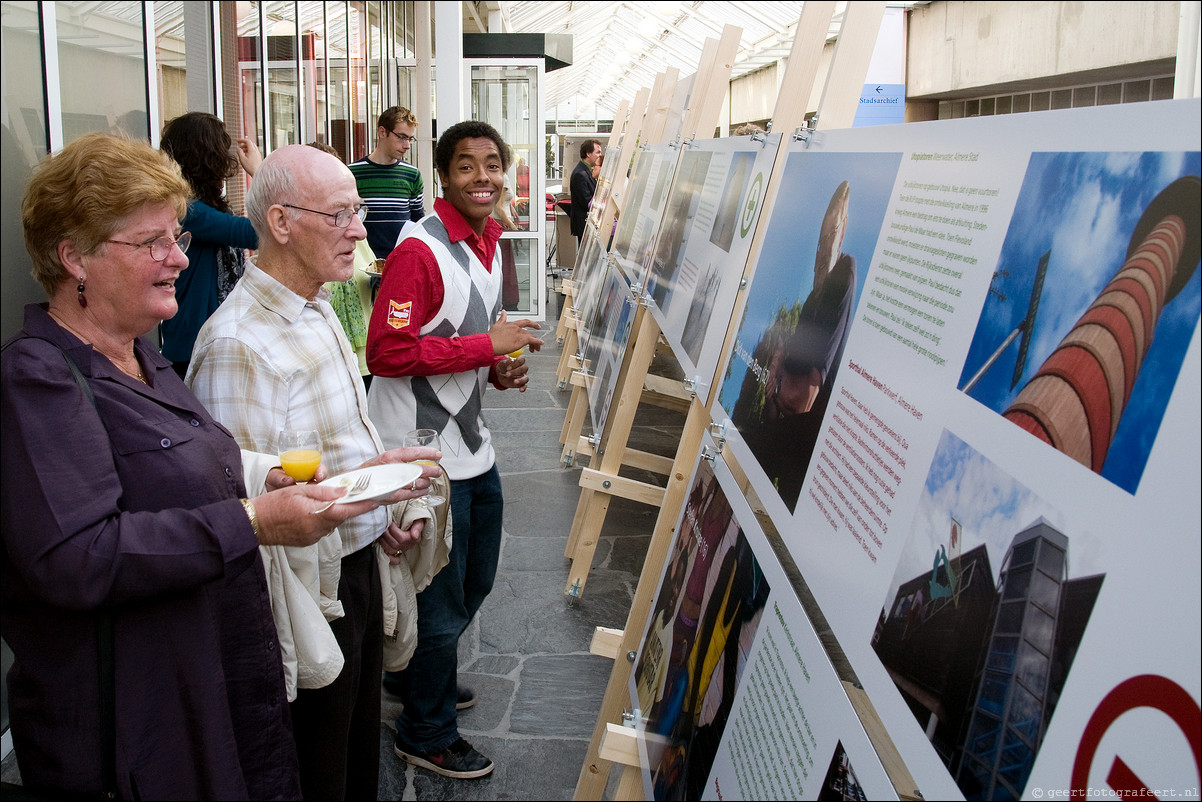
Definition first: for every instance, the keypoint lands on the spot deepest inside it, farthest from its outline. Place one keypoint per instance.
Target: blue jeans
(427, 686)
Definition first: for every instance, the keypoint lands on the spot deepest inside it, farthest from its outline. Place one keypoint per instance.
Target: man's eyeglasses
(404, 137)
(340, 218)
(160, 247)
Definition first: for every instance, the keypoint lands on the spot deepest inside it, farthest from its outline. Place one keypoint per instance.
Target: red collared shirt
(412, 277)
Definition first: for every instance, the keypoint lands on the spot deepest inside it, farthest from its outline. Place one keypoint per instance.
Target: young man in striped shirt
(390, 188)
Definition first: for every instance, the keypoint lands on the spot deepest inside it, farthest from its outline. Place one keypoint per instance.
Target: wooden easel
(569, 321)
(569, 363)
(613, 742)
(566, 333)
(600, 484)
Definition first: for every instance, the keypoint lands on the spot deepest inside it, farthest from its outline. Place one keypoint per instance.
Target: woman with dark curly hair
(207, 155)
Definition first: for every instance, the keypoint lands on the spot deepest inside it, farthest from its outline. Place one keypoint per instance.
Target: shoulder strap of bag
(104, 633)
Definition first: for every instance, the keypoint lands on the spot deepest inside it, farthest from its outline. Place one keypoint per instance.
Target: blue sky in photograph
(1083, 207)
(784, 273)
(991, 506)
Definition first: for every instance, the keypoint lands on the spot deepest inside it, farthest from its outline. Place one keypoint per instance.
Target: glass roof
(620, 47)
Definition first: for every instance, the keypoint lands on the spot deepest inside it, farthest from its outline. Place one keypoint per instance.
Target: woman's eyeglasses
(160, 247)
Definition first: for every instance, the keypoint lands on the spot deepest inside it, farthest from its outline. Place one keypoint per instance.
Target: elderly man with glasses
(274, 356)
(391, 188)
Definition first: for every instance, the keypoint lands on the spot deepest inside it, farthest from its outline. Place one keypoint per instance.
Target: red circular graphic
(1146, 690)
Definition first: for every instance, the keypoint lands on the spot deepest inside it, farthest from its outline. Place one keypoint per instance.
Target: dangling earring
(82, 300)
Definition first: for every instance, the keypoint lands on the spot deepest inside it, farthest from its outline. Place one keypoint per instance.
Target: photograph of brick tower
(1092, 305)
(984, 618)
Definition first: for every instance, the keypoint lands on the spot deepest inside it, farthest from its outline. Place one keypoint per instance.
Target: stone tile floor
(526, 654)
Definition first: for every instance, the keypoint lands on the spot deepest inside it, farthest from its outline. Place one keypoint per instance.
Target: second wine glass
(426, 438)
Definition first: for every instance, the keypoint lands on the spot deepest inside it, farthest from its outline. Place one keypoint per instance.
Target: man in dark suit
(583, 184)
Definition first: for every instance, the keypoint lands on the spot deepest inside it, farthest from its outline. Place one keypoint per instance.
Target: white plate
(385, 480)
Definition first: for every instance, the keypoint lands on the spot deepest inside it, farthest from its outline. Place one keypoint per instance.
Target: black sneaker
(460, 760)
(465, 698)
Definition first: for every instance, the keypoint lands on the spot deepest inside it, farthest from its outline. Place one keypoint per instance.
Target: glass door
(506, 93)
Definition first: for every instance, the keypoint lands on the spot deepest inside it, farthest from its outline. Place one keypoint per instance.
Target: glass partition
(338, 78)
(279, 18)
(375, 89)
(315, 109)
(505, 94)
(357, 81)
(24, 142)
(170, 62)
(102, 68)
(250, 76)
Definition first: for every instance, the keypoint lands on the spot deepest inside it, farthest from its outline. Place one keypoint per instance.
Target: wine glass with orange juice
(300, 453)
(538, 333)
(426, 438)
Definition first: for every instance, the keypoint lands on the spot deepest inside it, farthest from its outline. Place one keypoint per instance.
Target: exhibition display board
(606, 343)
(650, 180)
(1002, 389)
(704, 235)
(736, 694)
(605, 184)
(962, 383)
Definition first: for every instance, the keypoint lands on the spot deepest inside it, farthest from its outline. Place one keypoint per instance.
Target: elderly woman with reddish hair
(123, 501)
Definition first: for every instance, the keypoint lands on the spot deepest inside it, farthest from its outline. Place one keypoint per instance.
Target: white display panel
(1009, 562)
(643, 208)
(700, 254)
(737, 697)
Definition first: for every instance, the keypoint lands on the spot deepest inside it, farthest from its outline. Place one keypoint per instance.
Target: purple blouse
(139, 512)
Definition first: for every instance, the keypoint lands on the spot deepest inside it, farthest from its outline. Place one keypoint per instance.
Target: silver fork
(360, 485)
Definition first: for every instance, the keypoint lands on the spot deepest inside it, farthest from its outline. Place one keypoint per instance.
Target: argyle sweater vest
(448, 403)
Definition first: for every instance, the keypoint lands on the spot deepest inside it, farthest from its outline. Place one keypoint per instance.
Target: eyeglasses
(340, 218)
(404, 137)
(160, 247)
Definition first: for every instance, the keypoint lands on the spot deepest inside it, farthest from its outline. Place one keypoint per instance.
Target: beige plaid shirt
(268, 360)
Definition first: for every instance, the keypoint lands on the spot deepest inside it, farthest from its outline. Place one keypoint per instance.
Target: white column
(421, 104)
(448, 64)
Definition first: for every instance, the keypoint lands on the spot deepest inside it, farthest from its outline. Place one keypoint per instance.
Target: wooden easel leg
(631, 784)
(586, 531)
(569, 300)
(594, 773)
(582, 505)
(571, 341)
(573, 422)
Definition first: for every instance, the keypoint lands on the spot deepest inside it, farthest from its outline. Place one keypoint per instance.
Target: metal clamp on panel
(805, 131)
(718, 432)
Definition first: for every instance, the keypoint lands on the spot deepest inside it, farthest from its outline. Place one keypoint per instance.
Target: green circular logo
(752, 205)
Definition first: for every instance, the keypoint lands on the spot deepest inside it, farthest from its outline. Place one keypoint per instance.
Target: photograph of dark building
(841, 784)
(981, 662)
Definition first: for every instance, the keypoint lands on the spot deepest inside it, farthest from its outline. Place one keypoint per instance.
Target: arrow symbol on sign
(878, 90)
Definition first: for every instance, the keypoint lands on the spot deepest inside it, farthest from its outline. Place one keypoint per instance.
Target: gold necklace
(137, 371)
